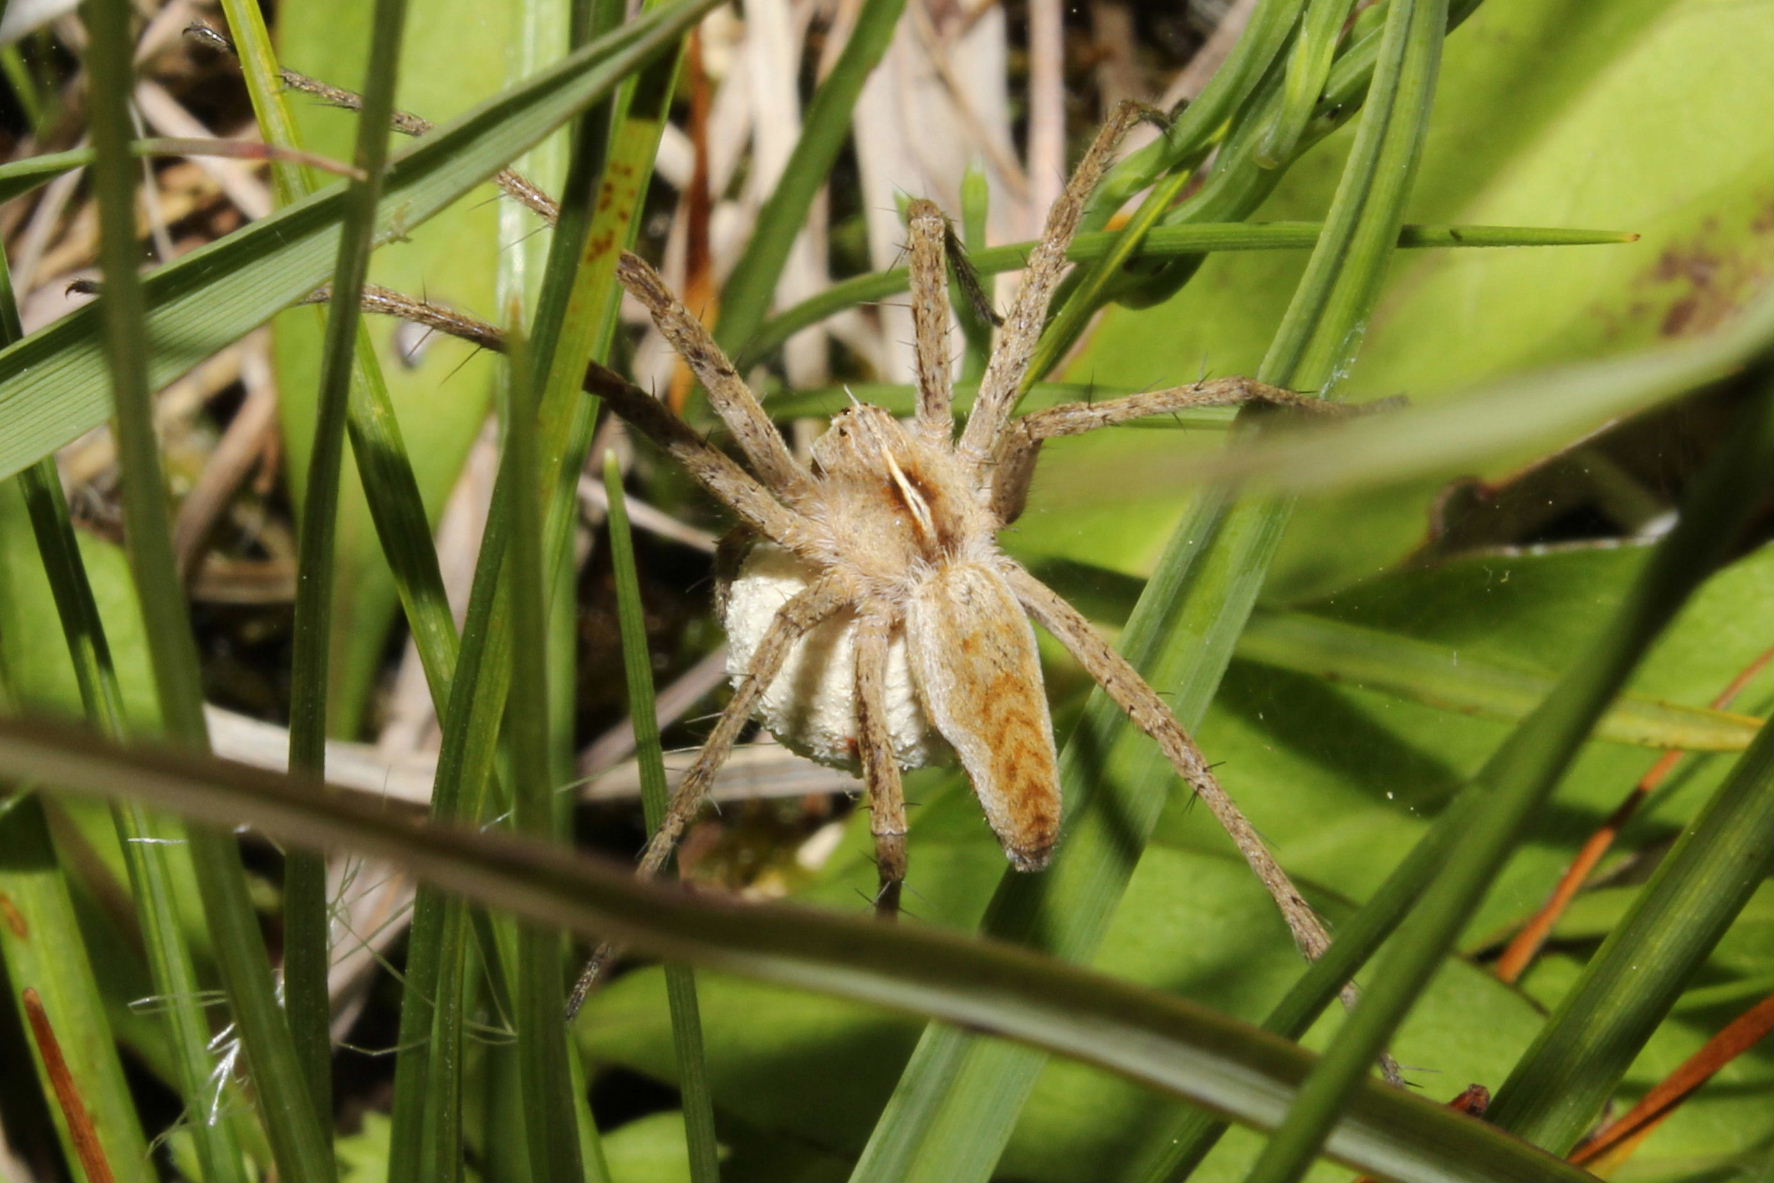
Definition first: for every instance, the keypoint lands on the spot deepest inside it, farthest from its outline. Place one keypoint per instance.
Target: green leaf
(1622, 115)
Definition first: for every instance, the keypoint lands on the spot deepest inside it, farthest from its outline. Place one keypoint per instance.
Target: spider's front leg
(880, 765)
(927, 231)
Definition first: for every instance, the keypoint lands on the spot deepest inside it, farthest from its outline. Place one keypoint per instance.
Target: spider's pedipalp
(875, 750)
(1002, 384)
(927, 236)
(731, 398)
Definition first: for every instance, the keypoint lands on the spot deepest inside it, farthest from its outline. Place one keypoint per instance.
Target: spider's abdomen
(811, 706)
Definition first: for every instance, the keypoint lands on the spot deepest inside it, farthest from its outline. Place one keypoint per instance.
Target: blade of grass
(1161, 242)
(579, 295)
(1238, 183)
(1440, 676)
(976, 329)
(307, 918)
(1335, 295)
(1499, 419)
(1616, 1142)
(1308, 66)
(44, 949)
(680, 980)
(147, 842)
(52, 383)
(543, 1075)
(392, 490)
(19, 177)
(404, 532)
(1204, 120)
(300, 1142)
(1161, 1041)
(750, 288)
(1560, 1084)
(1520, 777)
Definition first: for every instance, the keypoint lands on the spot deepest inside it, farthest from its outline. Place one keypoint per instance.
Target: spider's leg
(709, 466)
(927, 234)
(1002, 384)
(806, 609)
(880, 767)
(1014, 464)
(1123, 683)
(731, 398)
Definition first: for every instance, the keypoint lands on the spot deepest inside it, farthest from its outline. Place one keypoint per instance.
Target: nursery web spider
(873, 621)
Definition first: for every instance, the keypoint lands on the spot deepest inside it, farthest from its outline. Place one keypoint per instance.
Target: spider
(873, 621)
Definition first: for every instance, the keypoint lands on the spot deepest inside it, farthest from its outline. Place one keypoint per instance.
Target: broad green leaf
(1648, 116)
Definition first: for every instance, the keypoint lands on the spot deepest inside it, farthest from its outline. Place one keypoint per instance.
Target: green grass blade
(976, 331)
(1511, 418)
(1160, 243)
(398, 513)
(1443, 677)
(43, 948)
(300, 1142)
(746, 298)
(1161, 1041)
(1522, 774)
(52, 384)
(1238, 183)
(1203, 120)
(584, 270)
(1178, 1146)
(680, 981)
(1308, 66)
(543, 1074)
(146, 841)
(1559, 1086)
(306, 914)
(404, 532)
(1324, 321)
(1334, 296)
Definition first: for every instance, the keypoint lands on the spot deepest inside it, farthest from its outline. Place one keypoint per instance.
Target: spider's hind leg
(793, 620)
(880, 767)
